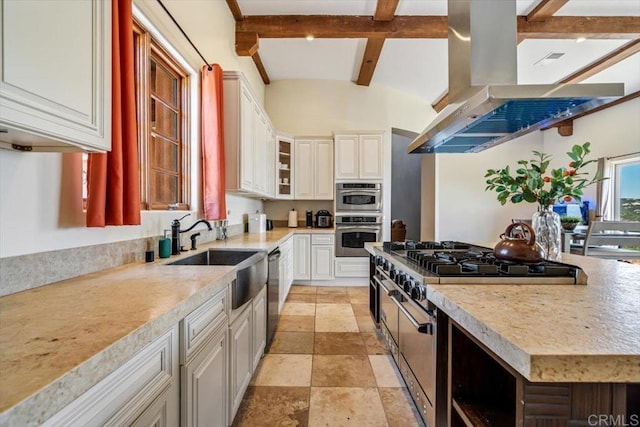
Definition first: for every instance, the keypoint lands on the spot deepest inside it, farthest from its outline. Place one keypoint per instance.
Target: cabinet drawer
(125, 393)
(198, 325)
(352, 267)
(322, 239)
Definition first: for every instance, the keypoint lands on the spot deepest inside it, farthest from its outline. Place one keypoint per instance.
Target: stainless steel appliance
(273, 295)
(353, 231)
(358, 197)
(323, 219)
(409, 320)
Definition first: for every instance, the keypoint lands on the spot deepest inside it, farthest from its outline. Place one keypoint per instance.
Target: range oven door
(417, 330)
(389, 313)
(350, 239)
(360, 200)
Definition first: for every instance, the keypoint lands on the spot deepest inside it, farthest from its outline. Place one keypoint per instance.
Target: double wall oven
(358, 217)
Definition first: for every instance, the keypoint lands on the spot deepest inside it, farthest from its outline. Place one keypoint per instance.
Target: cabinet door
(259, 158)
(322, 259)
(204, 385)
(161, 413)
(302, 257)
(370, 157)
(247, 131)
(304, 170)
(55, 78)
(323, 170)
(241, 359)
(346, 147)
(259, 306)
(271, 163)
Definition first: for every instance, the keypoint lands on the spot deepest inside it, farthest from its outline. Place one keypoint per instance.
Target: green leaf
(577, 150)
(516, 198)
(529, 196)
(573, 156)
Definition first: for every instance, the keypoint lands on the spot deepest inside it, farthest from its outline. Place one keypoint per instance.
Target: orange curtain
(212, 137)
(114, 178)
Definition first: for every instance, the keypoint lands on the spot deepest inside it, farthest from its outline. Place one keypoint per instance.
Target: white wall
(319, 107)
(39, 196)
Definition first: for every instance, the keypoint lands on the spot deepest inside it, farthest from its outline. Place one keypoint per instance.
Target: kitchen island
(538, 348)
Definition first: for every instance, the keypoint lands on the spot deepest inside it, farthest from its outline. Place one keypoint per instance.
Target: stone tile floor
(327, 367)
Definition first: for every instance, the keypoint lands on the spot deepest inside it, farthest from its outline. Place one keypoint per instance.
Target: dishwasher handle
(274, 255)
(423, 328)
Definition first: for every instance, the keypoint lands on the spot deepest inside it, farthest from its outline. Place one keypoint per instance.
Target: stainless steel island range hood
(486, 105)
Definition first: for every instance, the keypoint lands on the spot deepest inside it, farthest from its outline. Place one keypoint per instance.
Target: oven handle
(359, 191)
(424, 328)
(351, 227)
(390, 293)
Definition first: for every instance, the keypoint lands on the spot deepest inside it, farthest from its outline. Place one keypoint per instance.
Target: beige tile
(360, 309)
(374, 344)
(332, 298)
(301, 298)
(292, 370)
(358, 290)
(296, 323)
(385, 371)
(292, 343)
(334, 310)
(342, 371)
(359, 299)
(302, 289)
(340, 290)
(342, 407)
(336, 324)
(273, 406)
(365, 323)
(298, 309)
(399, 408)
(339, 343)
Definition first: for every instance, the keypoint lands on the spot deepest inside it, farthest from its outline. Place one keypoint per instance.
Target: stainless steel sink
(251, 276)
(216, 257)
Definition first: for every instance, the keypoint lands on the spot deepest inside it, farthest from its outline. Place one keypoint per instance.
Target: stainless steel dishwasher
(273, 295)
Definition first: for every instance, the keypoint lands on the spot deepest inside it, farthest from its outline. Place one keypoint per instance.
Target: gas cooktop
(459, 262)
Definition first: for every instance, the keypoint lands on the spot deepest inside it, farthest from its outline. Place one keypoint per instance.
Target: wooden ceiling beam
(545, 10)
(573, 27)
(385, 10)
(323, 26)
(234, 7)
(369, 61)
(620, 54)
(247, 43)
(260, 66)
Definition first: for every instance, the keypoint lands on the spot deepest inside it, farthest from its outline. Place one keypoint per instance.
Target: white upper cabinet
(55, 75)
(358, 156)
(313, 169)
(249, 140)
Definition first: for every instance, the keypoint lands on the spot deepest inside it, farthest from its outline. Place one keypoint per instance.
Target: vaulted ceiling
(402, 43)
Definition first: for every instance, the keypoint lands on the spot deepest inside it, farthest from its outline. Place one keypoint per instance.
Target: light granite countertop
(554, 333)
(58, 340)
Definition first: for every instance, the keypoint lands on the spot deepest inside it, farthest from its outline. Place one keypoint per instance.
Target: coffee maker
(309, 219)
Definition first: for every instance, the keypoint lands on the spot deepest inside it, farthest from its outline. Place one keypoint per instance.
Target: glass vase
(546, 225)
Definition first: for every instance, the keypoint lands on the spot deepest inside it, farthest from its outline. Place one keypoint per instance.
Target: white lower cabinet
(285, 278)
(314, 256)
(322, 256)
(241, 358)
(204, 384)
(302, 257)
(144, 388)
(352, 267)
(259, 307)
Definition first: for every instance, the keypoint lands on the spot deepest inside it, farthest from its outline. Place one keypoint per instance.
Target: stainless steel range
(400, 302)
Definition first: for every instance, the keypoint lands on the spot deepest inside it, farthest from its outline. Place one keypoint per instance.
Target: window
(625, 184)
(162, 103)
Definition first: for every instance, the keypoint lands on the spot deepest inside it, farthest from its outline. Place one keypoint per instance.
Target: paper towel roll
(293, 218)
(257, 223)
